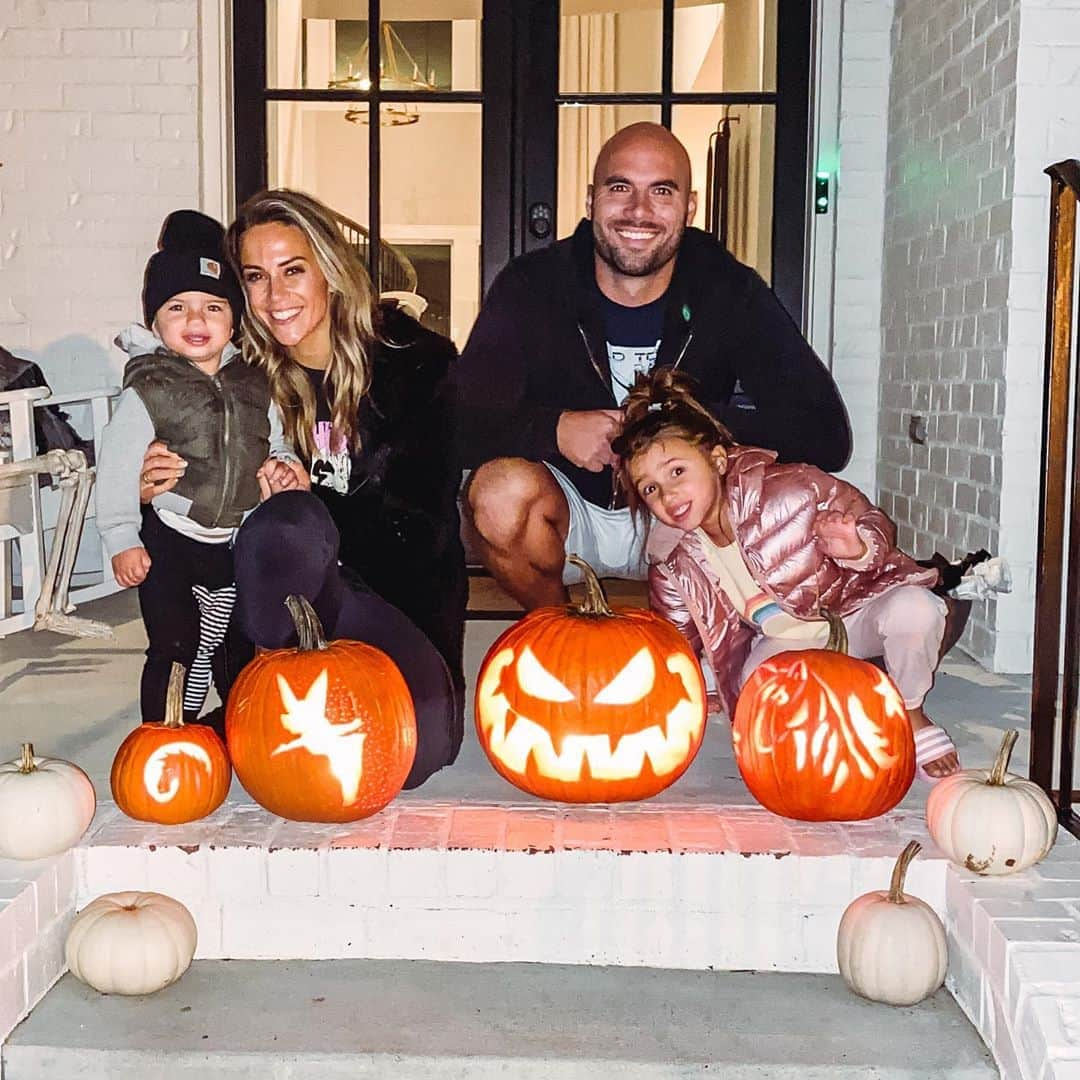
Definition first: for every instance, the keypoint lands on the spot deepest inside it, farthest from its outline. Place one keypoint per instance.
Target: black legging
(171, 613)
(289, 545)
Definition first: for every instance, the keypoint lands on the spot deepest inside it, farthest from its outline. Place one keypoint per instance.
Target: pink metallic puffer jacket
(772, 509)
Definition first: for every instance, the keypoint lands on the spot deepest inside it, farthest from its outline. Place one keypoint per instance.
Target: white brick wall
(1047, 130)
(860, 214)
(948, 250)
(37, 904)
(99, 141)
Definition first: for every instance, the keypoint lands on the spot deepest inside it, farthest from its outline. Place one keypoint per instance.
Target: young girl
(186, 385)
(745, 554)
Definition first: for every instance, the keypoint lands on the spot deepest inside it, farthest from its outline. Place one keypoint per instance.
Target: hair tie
(655, 406)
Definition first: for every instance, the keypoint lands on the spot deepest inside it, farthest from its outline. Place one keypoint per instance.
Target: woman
(366, 398)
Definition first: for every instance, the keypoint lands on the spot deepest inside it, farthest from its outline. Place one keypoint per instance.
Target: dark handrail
(1057, 579)
(395, 271)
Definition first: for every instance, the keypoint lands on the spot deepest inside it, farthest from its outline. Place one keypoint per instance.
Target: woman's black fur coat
(399, 525)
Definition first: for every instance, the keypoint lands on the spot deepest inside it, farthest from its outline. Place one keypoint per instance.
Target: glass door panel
(583, 129)
(430, 202)
(727, 47)
(313, 148)
(732, 159)
(610, 46)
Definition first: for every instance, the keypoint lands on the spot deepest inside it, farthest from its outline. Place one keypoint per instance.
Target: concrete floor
(418, 1019)
(76, 699)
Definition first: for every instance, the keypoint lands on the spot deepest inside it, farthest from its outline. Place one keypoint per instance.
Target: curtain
(586, 64)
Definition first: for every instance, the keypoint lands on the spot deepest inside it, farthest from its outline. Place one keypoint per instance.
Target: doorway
(489, 114)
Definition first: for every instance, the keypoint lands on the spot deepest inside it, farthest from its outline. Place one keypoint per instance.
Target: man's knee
(504, 493)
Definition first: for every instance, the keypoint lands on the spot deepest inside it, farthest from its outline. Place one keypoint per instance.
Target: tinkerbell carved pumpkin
(821, 736)
(171, 772)
(589, 704)
(323, 732)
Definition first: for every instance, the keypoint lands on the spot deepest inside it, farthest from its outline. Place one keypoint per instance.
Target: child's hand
(275, 476)
(131, 566)
(838, 535)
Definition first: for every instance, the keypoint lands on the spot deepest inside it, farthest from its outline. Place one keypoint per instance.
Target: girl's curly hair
(662, 405)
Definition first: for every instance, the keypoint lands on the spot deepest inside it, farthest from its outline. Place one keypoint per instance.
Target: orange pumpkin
(587, 704)
(323, 732)
(171, 772)
(821, 736)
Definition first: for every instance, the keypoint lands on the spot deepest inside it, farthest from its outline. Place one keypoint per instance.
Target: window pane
(610, 45)
(583, 129)
(743, 183)
(312, 147)
(424, 44)
(442, 38)
(431, 210)
(729, 46)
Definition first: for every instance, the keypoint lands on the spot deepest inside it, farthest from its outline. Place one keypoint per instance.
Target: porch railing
(1057, 584)
(395, 271)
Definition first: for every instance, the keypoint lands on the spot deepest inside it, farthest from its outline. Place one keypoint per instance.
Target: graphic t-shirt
(331, 463)
(633, 341)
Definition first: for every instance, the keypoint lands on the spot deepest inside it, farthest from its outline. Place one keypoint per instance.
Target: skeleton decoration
(67, 469)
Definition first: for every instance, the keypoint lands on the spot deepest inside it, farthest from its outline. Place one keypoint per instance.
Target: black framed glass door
(490, 113)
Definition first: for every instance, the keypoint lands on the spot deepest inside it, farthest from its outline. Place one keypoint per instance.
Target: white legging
(905, 625)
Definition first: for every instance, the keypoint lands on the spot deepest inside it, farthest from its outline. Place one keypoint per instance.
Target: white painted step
(725, 888)
(328, 1020)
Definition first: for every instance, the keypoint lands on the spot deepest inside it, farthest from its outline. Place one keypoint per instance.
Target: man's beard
(635, 263)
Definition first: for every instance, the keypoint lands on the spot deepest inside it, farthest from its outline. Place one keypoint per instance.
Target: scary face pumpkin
(586, 704)
(820, 736)
(324, 732)
(171, 772)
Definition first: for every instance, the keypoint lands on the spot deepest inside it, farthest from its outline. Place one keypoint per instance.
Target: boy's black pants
(171, 612)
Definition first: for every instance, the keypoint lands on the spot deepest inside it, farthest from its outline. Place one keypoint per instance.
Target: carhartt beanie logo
(190, 258)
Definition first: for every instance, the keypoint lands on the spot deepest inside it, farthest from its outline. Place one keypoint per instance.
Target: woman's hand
(131, 566)
(275, 476)
(838, 535)
(161, 470)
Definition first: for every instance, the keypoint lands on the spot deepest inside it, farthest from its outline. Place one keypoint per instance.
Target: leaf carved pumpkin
(171, 772)
(821, 736)
(323, 732)
(590, 704)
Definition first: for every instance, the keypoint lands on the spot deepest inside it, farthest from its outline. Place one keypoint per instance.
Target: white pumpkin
(45, 806)
(891, 947)
(989, 820)
(131, 942)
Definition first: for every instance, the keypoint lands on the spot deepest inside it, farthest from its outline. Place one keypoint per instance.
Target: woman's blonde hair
(663, 405)
(352, 309)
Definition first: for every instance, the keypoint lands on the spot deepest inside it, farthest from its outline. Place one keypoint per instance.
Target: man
(562, 335)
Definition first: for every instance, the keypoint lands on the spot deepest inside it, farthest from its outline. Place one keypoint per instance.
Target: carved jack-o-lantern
(821, 736)
(587, 704)
(171, 772)
(324, 732)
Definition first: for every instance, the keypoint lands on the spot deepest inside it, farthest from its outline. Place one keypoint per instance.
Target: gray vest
(217, 423)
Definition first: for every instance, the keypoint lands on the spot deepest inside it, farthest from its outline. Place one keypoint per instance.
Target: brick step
(726, 888)
(307, 1020)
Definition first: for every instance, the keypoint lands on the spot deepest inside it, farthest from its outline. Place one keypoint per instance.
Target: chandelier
(391, 113)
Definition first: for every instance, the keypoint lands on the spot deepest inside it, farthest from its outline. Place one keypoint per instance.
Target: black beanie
(190, 258)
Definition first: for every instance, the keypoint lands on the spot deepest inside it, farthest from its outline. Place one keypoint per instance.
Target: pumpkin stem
(26, 762)
(174, 697)
(1001, 762)
(896, 886)
(595, 602)
(309, 630)
(837, 632)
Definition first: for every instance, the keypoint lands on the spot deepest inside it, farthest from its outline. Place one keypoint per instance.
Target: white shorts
(607, 540)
